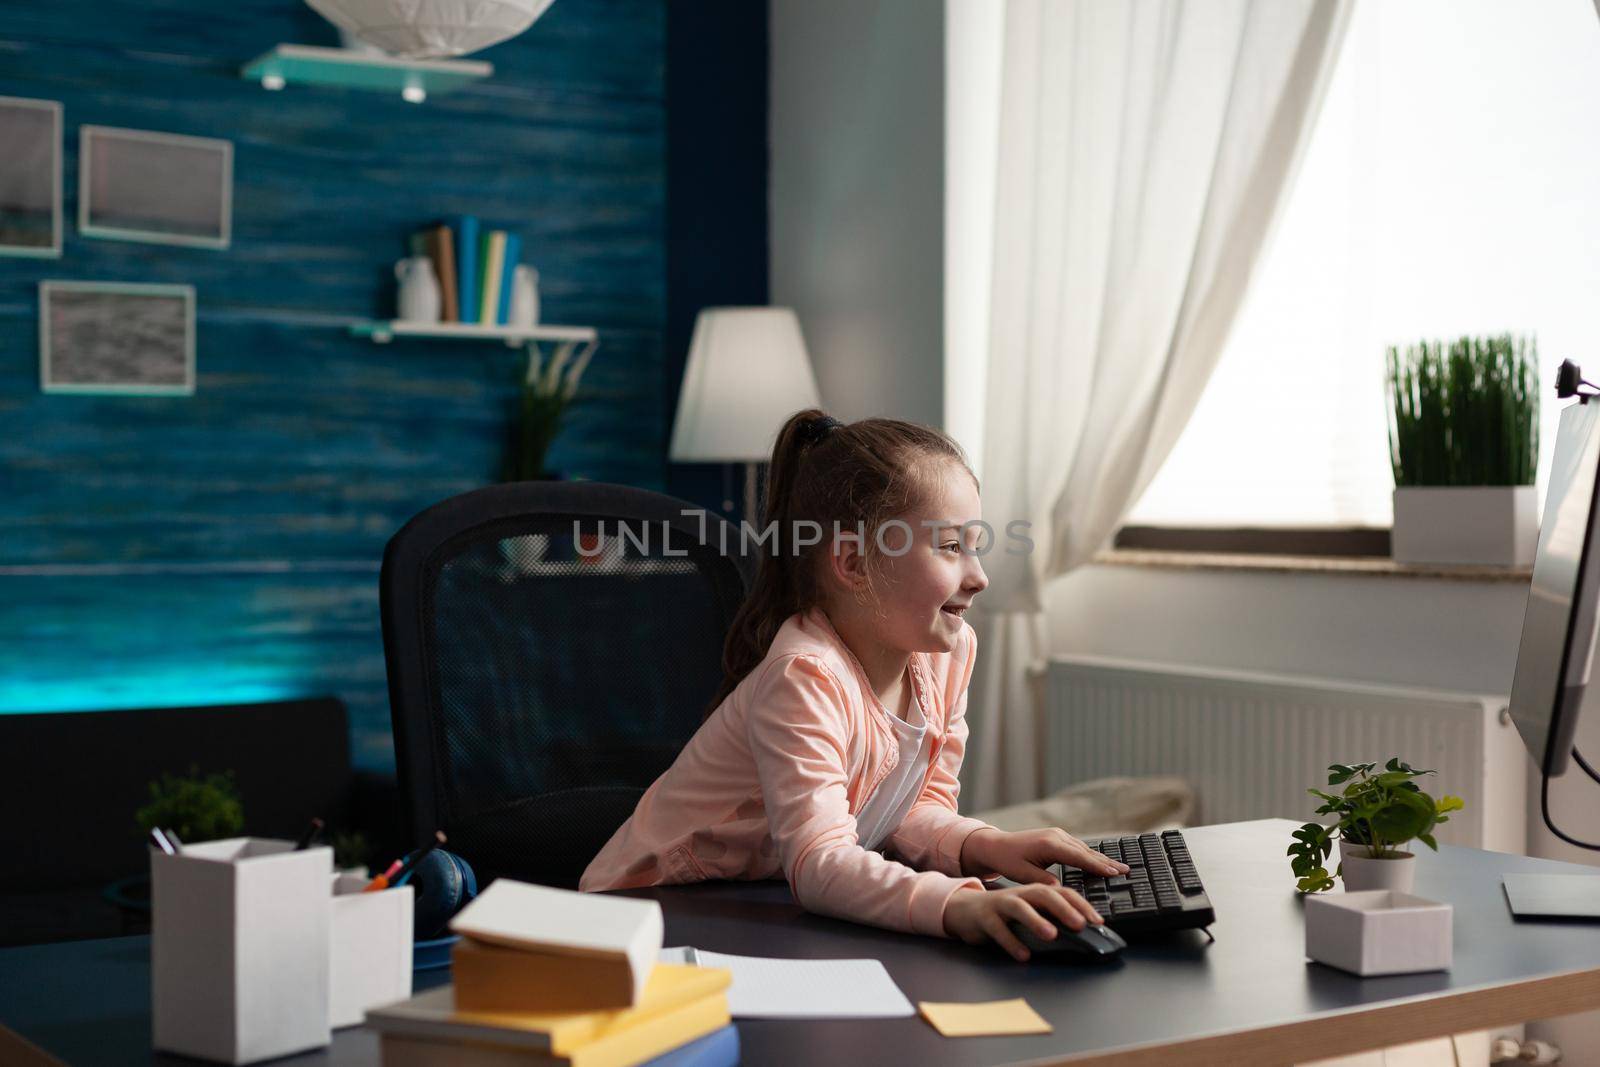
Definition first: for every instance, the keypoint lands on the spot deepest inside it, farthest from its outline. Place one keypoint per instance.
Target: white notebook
(567, 923)
(765, 988)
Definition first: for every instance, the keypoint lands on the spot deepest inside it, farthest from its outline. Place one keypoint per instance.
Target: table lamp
(747, 373)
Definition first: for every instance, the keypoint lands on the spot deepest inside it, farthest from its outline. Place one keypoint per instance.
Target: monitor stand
(1553, 896)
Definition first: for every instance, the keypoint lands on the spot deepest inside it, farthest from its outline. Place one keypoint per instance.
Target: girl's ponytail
(776, 593)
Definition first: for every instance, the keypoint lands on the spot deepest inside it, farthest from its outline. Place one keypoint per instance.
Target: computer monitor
(1558, 627)
(1557, 650)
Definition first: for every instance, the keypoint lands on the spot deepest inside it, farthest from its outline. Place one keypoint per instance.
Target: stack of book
(550, 977)
(474, 267)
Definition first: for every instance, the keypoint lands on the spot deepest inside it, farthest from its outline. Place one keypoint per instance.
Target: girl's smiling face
(923, 589)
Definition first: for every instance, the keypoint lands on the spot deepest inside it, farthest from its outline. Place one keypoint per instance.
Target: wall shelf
(567, 340)
(346, 68)
(383, 331)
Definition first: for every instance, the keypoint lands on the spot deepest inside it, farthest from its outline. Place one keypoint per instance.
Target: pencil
(309, 836)
(400, 866)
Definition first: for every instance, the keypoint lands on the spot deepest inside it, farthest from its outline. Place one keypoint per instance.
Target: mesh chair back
(550, 648)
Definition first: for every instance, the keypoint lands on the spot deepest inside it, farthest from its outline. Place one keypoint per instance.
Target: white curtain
(1144, 150)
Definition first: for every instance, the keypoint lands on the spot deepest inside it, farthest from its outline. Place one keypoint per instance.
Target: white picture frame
(162, 188)
(116, 338)
(30, 177)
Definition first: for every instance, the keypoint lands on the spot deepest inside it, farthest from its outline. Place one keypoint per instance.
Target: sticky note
(988, 1018)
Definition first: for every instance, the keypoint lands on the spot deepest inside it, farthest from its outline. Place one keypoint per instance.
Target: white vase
(1489, 525)
(1361, 872)
(525, 296)
(418, 298)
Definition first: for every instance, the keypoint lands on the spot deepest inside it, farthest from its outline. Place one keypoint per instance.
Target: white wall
(857, 188)
(974, 44)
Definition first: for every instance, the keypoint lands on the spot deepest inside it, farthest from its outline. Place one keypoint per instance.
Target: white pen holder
(239, 949)
(369, 961)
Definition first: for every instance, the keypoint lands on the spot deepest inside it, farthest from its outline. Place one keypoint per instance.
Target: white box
(1378, 931)
(239, 949)
(369, 950)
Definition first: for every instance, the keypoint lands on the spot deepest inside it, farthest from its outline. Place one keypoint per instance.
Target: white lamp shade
(747, 373)
(431, 29)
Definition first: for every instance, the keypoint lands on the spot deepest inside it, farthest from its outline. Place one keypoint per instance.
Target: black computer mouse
(1094, 943)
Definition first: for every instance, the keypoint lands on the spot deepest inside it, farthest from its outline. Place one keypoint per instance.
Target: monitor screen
(1557, 647)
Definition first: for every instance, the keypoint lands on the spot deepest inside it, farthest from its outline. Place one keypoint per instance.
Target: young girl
(832, 752)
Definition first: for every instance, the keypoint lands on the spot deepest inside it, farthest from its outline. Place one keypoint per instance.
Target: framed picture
(30, 177)
(111, 337)
(134, 185)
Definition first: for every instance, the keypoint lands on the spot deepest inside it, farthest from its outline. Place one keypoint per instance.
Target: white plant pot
(1490, 525)
(1360, 872)
(1381, 932)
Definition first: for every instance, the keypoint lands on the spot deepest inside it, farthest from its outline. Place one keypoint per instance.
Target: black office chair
(540, 681)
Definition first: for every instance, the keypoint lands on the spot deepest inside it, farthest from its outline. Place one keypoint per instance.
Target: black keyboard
(1161, 890)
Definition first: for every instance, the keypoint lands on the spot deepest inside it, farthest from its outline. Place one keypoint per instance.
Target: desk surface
(1251, 997)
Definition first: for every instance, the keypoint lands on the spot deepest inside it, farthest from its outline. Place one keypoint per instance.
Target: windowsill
(1367, 566)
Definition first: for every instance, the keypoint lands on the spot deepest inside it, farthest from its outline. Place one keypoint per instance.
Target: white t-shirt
(889, 803)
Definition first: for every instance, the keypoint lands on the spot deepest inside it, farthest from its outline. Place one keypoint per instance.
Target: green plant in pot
(547, 389)
(1464, 447)
(197, 807)
(1376, 814)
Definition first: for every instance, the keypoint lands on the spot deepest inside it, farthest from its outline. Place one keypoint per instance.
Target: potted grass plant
(547, 389)
(1464, 445)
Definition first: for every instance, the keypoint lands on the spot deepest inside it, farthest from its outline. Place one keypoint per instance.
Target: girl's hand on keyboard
(1024, 856)
(977, 915)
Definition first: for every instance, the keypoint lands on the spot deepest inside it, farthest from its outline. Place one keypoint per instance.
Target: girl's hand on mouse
(977, 915)
(1024, 855)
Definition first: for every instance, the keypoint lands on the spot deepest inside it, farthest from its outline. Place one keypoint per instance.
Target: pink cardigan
(771, 783)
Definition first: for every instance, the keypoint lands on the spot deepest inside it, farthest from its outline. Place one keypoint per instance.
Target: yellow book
(494, 255)
(626, 1048)
(495, 978)
(670, 991)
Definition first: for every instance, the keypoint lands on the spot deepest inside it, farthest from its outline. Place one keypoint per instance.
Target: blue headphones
(444, 884)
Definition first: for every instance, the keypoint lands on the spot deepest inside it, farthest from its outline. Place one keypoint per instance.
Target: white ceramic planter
(1361, 872)
(1378, 932)
(1490, 525)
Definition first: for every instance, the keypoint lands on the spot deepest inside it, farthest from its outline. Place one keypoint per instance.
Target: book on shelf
(620, 931)
(439, 245)
(467, 253)
(508, 270)
(490, 265)
(684, 1003)
(720, 1048)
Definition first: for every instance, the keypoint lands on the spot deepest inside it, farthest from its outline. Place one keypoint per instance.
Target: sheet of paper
(766, 988)
(984, 1019)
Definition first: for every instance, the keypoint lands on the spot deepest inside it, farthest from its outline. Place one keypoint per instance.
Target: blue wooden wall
(224, 547)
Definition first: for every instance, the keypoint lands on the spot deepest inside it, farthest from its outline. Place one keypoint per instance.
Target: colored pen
(405, 863)
(309, 836)
(159, 839)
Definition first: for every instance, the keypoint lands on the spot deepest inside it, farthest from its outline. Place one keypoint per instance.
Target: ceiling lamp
(428, 29)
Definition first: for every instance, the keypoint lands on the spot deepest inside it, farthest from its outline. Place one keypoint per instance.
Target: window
(1452, 186)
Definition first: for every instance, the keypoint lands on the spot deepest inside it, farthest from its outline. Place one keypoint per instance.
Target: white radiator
(1251, 744)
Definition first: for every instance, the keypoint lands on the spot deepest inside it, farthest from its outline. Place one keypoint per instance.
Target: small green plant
(197, 808)
(546, 392)
(1464, 415)
(351, 849)
(1381, 811)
